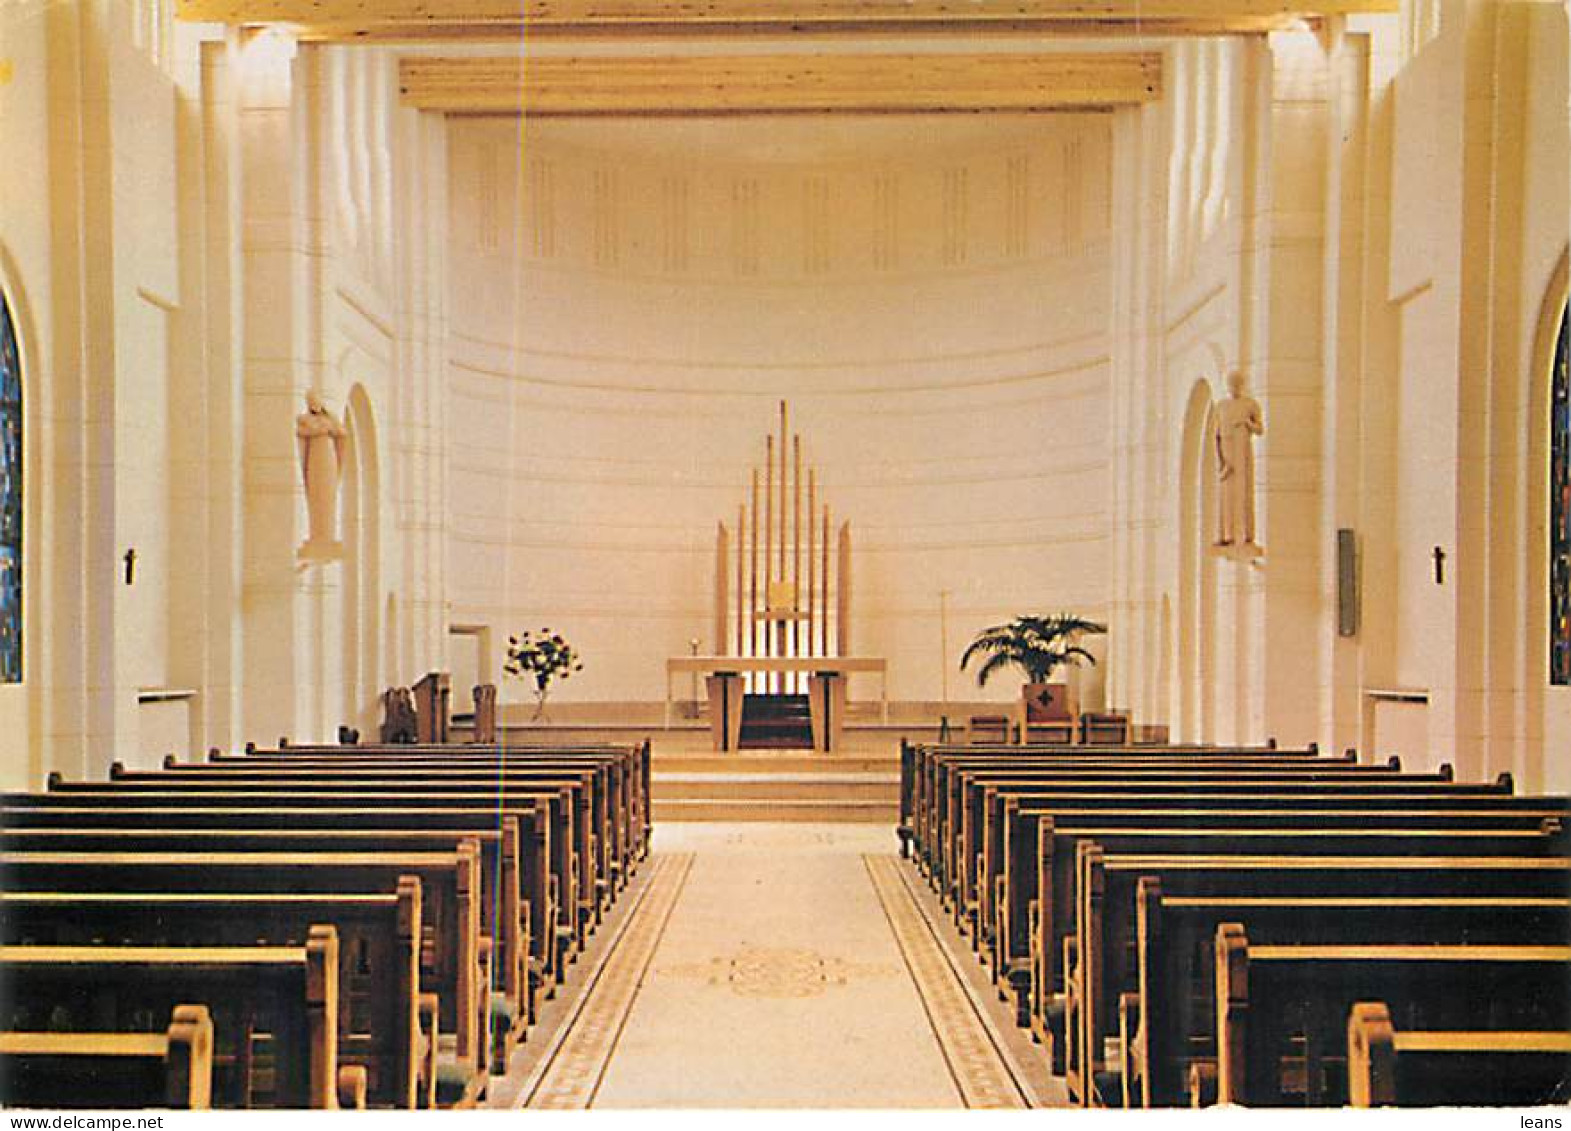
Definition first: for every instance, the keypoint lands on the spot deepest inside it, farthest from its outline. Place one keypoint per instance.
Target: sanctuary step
(831, 786)
(777, 722)
(775, 786)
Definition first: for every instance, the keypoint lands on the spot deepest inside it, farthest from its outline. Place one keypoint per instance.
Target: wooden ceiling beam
(444, 20)
(780, 84)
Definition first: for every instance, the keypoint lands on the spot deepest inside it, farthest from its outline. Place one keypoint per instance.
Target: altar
(782, 613)
(826, 690)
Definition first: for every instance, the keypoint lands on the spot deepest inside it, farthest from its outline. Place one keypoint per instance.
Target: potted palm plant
(1038, 646)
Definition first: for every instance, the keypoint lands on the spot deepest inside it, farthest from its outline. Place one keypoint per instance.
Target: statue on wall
(321, 438)
(1238, 420)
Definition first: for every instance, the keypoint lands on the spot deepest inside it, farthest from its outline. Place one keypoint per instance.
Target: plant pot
(1049, 702)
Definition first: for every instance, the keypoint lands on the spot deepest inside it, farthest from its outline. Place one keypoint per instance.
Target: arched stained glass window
(10, 500)
(1560, 509)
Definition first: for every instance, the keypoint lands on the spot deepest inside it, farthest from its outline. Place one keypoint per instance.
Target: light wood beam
(487, 19)
(761, 84)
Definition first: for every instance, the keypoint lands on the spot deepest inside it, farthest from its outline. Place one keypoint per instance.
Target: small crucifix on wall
(1440, 565)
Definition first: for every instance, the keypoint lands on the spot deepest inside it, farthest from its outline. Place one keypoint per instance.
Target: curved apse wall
(629, 300)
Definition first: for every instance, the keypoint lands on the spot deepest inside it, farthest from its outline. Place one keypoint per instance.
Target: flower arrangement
(542, 657)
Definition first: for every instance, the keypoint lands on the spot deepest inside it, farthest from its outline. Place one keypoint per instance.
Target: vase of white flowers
(541, 659)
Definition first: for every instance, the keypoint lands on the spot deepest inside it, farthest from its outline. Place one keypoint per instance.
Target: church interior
(888, 554)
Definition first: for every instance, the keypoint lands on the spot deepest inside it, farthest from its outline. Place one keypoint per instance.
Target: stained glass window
(1560, 509)
(10, 500)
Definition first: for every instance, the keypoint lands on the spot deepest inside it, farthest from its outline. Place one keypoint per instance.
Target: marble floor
(778, 966)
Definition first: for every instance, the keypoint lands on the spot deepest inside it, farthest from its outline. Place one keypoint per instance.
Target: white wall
(178, 283)
(629, 303)
(1390, 242)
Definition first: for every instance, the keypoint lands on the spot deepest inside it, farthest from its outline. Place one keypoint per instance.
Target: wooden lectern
(433, 707)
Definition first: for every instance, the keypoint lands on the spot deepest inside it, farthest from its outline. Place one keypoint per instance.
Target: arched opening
(1195, 643)
(1560, 505)
(11, 511)
(363, 670)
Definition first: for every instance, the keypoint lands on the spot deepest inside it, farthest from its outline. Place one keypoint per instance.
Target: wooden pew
(960, 811)
(379, 958)
(1433, 1068)
(396, 808)
(933, 770)
(1168, 1023)
(454, 959)
(172, 1069)
(1044, 876)
(536, 889)
(948, 821)
(1105, 923)
(1007, 870)
(503, 918)
(956, 870)
(287, 993)
(625, 838)
(632, 761)
(975, 830)
(1106, 893)
(917, 761)
(588, 830)
(1269, 997)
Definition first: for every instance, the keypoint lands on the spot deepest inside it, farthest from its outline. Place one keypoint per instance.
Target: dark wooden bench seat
(630, 767)
(274, 1009)
(617, 805)
(1085, 1015)
(945, 841)
(172, 1069)
(591, 832)
(939, 799)
(1282, 1010)
(918, 762)
(396, 808)
(1388, 1067)
(1007, 831)
(455, 957)
(588, 832)
(1073, 898)
(1168, 1021)
(950, 871)
(379, 957)
(1046, 876)
(536, 888)
(1010, 849)
(504, 917)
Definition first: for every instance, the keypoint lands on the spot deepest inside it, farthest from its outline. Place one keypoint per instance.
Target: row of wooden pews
(356, 925)
(1259, 926)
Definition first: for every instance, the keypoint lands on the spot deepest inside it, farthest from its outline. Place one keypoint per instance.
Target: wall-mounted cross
(1440, 565)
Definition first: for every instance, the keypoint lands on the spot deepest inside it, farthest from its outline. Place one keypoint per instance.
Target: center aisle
(777, 966)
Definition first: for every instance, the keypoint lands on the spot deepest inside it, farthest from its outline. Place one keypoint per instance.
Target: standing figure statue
(321, 440)
(1238, 422)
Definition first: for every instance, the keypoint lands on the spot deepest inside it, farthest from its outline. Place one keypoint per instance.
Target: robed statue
(321, 438)
(1238, 421)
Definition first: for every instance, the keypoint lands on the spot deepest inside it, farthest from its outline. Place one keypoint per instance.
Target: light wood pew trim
(184, 1049)
(315, 964)
(1241, 1075)
(110, 914)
